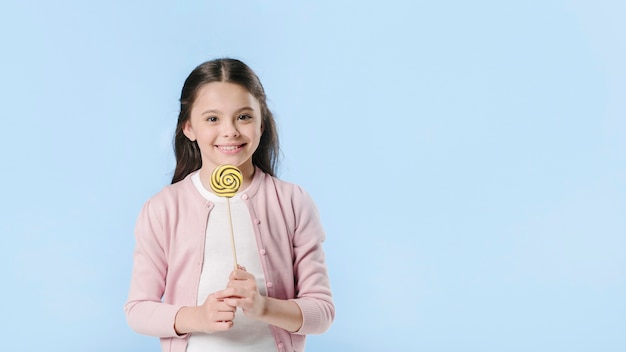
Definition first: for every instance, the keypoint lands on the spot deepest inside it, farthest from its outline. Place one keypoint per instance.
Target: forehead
(224, 96)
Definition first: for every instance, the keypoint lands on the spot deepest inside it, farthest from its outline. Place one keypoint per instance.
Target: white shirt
(246, 334)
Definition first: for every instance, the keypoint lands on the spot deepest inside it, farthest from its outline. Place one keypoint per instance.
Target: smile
(229, 148)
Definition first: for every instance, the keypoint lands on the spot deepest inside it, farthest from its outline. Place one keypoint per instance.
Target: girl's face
(226, 122)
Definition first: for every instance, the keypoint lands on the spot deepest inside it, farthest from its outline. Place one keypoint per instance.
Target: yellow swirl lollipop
(226, 180)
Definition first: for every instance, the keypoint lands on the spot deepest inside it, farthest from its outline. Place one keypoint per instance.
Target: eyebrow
(215, 111)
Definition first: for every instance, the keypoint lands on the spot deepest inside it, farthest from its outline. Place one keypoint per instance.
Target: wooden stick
(232, 235)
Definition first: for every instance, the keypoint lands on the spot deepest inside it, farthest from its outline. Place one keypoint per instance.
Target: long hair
(188, 158)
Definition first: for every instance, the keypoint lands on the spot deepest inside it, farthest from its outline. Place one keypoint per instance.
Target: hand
(213, 315)
(216, 315)
(242, 292)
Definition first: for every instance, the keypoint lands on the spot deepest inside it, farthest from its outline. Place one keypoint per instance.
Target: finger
(217, 296)
(224, 307)
(224, 316)
(241, 291)
(241, 267)
(233, 302)
(223, 325)
(240, 275)
(220, 295)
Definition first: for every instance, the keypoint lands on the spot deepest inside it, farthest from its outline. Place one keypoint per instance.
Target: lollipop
(225, 182)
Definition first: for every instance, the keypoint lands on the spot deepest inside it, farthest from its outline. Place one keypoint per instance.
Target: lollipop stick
(232, 235)
(225, 182)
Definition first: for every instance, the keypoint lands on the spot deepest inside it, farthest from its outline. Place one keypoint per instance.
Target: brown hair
(188, 158)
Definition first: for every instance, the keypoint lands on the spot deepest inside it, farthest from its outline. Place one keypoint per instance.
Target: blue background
(467, 157)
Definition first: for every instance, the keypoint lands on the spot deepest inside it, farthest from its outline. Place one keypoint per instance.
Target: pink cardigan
(170, 237)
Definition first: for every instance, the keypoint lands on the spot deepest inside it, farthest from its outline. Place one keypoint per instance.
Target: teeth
(228, 147)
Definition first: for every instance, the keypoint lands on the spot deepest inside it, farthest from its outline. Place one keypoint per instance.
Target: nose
(230, 130)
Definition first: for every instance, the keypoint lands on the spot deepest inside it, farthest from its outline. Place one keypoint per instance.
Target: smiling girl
(183, 288)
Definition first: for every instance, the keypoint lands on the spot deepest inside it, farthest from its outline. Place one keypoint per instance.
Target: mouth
(230, 148)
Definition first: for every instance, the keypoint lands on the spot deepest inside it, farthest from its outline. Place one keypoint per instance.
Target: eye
(211, 119)
(244, 117)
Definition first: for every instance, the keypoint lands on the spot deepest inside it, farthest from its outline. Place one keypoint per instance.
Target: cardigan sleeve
(313, 294)
(145, 311)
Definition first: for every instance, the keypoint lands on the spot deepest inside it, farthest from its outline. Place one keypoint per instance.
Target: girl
(183, 287)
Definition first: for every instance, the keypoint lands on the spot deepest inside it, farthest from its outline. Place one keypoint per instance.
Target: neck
(247, 170)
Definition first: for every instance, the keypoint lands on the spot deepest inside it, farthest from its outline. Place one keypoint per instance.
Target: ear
(188, 131)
